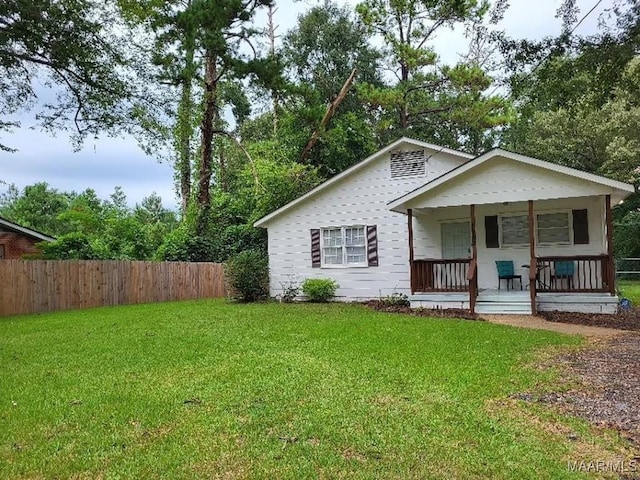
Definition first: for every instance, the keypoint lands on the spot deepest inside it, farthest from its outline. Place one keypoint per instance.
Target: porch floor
(518, 302)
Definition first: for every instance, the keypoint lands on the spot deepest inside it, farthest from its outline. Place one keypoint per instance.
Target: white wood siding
(360, 199)
(427, 239)
(504, 180)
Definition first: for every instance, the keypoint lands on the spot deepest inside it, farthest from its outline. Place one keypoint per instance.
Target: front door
(456, 240)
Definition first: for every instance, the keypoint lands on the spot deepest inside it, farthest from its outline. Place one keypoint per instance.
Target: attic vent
(409, 163)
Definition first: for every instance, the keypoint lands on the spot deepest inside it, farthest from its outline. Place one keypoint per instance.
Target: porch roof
(502, 176)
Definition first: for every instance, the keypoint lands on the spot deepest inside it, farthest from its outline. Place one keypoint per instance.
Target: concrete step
(510, 298)
(504, 307)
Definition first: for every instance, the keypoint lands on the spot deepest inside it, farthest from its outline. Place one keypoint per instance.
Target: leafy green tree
(75, 47)
(89, 228)
(427, 97)
(172, 52)
(579, 107)
(320, 52)
(36, 207)
(70, 246)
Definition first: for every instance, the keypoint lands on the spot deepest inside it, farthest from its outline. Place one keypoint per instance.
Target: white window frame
(344, 264)
(535, 228)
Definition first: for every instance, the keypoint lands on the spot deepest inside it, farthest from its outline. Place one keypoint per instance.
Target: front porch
(565, 276)
(507, 218)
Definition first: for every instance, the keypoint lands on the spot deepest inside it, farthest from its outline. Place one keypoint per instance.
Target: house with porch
(496, 233)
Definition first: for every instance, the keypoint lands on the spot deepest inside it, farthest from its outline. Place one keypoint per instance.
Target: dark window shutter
(491, 231)
(580, 227)
(316, 257)
(372, 245)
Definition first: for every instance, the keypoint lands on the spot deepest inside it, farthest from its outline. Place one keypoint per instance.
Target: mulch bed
(610, 395)
(623, 320)
(421, 312)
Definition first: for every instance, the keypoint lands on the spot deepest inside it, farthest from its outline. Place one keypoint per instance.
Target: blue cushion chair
(563, 270)
(506, 272)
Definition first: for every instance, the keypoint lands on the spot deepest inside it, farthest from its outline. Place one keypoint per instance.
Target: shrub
(396, 299)
(319, 289)
(290, 289)
(247, 276)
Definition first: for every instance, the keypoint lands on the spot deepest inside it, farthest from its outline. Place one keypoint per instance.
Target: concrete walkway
(530, 321)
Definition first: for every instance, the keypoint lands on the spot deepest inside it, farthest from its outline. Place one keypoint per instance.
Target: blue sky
(108, 162)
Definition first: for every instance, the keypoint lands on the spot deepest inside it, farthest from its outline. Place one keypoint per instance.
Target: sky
(106, 163)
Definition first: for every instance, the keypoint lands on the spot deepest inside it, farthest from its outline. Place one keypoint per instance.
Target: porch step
(509, 302)
(517, 308)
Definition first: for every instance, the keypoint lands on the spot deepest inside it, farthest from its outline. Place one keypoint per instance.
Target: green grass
(631, 290)
(210, 389)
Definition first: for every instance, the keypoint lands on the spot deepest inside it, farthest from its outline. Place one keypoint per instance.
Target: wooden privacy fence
(29, 286)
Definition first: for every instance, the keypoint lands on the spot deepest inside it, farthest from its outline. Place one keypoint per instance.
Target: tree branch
(331, 110)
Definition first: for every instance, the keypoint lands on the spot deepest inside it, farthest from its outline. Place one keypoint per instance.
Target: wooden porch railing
(574, 274)
(434, 275)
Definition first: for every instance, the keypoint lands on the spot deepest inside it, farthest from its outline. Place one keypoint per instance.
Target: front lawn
(631, 290)
(210, 389)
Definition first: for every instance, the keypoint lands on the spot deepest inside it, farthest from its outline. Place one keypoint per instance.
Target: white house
(437, 224)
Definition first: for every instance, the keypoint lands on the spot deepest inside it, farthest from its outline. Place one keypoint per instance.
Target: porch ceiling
(501, 176)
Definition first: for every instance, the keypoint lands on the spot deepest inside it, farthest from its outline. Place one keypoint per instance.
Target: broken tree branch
(331, 110)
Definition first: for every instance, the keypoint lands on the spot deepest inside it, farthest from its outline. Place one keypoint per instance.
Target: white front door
(456, 240)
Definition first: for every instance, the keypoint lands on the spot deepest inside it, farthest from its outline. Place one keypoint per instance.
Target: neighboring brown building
(16, 240)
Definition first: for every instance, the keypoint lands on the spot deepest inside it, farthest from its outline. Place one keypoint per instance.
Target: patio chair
(506, 272)
(562, 270)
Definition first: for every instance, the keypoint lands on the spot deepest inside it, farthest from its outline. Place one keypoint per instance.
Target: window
(514, 230)
(1, 252)
(344, 246)
(408, 164)
(554, 228)
(551, 228)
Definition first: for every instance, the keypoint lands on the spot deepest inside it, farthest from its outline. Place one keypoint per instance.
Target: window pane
(553, 228)
(354, 236)
(333, 255)
(332, 237)
(356, 254)
(515, 230)
(551, 220)
(553, 235)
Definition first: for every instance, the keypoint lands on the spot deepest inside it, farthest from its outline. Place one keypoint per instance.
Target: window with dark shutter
(316, 257)
(580, 227)
(411, 163)
(372, 245)
(491, 231)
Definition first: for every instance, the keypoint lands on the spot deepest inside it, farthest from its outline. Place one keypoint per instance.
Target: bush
(247, 276)
(72, 246)
(396, 299)
(290, 289)
(319, 289)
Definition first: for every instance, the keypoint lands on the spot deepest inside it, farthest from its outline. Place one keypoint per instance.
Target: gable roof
(25, 231)
(399, 203)
(349, 171)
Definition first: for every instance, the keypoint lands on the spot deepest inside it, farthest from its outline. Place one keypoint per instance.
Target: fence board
(30, 286)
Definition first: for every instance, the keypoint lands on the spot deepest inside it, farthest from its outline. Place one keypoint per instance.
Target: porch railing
(435, 275)
(579, 274)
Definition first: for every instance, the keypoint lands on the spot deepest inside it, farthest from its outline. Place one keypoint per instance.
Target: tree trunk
(209, 119)
(222, 168)
(185, 130)
(404, 108)
(272, 50)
